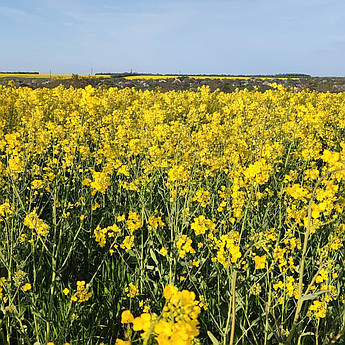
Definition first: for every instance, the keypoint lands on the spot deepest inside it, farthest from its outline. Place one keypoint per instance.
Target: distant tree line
(121, 74)
(19, 72)
(292, 75)
(280, 75)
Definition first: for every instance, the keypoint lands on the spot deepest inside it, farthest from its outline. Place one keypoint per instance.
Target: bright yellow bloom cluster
(100, 183)
(82, 294)
(5, 210)
(33, 222)
(128, 243)
(127, 317)
(319, 309)
(228, 248)
(132, 290)
(101, 234)
(178, 323)
(201, 224)
(322, 276)
(2, 285)
(260, 262)
(184, 246)
(202, 196)
(155, 222)
(133, 222)
(26, 287)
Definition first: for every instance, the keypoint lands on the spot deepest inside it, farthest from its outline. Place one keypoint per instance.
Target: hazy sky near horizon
(174, 36)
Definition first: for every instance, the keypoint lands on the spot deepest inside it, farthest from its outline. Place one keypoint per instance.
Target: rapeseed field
(142, 217)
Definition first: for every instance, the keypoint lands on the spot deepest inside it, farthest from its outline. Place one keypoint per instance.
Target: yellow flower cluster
(132, 290)
(33, 222)
(202, 196)
(2, 286)
(155, 222)
(5, 210)
(133, 222)
(184, 246)
(100, 183)
(228, 249)
(26, 287)
(82, 294)
(201, 224)
(260, 262)
(101, 234)
(177, 324)
(318, 309)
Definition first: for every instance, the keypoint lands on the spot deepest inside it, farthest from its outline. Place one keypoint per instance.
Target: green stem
(233, 307)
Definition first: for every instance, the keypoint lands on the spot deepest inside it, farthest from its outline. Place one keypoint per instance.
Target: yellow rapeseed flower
(26, 287)
(126, 317)
(163, 251)
(260, 262)
(122, 342)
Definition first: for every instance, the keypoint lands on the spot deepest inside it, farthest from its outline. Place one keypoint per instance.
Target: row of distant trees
(19, 72)
(124, 74)
(281, 75)
(127, 74)
(292, 75)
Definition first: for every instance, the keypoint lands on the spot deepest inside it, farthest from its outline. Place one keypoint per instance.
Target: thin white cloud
(12, 13)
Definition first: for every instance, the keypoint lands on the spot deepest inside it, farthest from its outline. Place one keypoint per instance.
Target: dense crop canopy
(162, 217)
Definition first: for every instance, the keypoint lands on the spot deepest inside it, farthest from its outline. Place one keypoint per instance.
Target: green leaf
(153, 256)
(315, 295)
(213, 338)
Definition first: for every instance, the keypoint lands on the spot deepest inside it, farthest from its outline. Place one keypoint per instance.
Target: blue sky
(174, 36)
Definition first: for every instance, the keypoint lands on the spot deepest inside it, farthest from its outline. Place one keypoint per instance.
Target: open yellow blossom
(122, 342)
(142, 323)
(126, 317)
(163, 251)
(26, 287)
(279, 285)
(260, 262)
